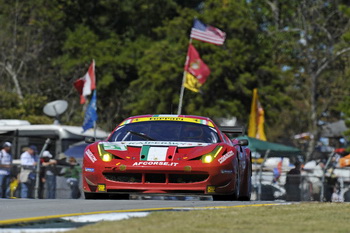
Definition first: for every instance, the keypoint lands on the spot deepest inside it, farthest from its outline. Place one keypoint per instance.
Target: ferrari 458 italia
(168, 154)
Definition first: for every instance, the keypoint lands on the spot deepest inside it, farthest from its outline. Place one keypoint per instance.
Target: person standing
(72, 174)
(50, 172)
(5, 168)
(27, 174)
(293, 182)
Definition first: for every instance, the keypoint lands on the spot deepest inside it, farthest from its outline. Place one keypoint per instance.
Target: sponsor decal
(122, 167)
(155, 163)
(168, 118)
(164, 143)
(114, 146)
(88, 169)
(91, 155)
(223, 171)
(226, 156)
(187, 168)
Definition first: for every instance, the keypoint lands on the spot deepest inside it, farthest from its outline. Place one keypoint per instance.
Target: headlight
(208, 158)
(105, 156)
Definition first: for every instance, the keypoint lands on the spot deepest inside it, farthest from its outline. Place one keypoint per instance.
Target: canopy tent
(76, 150)
(274, 149)
(262, 152)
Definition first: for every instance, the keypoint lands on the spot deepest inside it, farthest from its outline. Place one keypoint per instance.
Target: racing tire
(235, 195)
(237, 192)
(247, 185)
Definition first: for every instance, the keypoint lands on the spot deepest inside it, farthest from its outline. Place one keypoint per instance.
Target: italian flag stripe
(157, 153)
(144, 153)
(171, 152)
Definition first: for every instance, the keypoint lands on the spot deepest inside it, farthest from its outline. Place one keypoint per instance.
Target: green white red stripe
(156, 153)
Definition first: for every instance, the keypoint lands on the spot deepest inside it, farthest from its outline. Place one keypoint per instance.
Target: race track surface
(24, 209)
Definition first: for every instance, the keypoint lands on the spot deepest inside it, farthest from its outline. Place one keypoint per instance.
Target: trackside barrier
(311, 185)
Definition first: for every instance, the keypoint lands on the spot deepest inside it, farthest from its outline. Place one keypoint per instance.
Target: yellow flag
(192, 82)
(256, 118)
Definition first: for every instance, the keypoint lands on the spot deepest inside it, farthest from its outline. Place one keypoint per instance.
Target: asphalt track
(14, 211)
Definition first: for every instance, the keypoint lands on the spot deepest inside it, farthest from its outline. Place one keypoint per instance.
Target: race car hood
(157, 150)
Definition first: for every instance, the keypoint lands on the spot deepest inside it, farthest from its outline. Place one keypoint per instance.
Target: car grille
(155, 177)
(127, 177)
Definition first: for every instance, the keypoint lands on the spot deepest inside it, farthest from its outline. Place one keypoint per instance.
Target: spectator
(73, 174)
(5, 167)
(27, 174)
(49, 174)
(293, 181)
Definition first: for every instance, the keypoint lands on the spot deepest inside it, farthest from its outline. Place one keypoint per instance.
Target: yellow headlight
(208, 158)
(105, 156)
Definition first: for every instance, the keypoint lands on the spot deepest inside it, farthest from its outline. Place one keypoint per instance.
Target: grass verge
(303, 217)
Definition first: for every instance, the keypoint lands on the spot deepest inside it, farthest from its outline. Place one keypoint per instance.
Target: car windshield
(165, 131)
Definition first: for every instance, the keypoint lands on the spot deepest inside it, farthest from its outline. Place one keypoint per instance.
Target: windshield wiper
(142, 135)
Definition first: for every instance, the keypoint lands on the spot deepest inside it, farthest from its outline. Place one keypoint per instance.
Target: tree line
(295, 52)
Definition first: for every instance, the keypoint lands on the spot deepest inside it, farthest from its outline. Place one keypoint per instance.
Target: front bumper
(192, 177)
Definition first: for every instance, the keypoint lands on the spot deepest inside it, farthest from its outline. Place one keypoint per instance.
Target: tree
(319, 29)
(24, 37)
(239, 66)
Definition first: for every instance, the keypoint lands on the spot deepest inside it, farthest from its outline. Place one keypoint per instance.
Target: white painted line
(81, 219)
(105, 217)
(35, 230)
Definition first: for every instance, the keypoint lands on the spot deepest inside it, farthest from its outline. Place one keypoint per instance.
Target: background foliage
(294, 52)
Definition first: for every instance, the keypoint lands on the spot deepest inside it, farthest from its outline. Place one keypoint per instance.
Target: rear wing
(236, 130)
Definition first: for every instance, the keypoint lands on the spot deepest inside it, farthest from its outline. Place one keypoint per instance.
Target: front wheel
(247, 185)
(236, 192)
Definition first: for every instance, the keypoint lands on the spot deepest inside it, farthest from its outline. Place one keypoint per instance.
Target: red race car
(168, 154)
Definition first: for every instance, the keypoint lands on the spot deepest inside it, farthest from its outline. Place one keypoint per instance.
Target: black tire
(247, 185)
(237, 192)
(235, 195)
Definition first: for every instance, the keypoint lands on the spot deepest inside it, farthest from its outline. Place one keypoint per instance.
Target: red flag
(195, 66)
(86, 84)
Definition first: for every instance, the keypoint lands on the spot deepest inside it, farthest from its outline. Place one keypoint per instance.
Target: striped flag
(206, 33)
(86, 84)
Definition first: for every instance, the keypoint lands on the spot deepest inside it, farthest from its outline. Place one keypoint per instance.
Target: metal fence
(331, 185)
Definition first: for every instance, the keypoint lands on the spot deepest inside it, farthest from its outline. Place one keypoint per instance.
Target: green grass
(303, 217)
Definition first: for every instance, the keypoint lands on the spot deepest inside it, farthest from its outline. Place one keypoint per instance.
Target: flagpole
(95, 122)
(182, 86)
(181, 93)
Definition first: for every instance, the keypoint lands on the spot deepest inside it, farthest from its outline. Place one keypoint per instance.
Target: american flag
(206, 33)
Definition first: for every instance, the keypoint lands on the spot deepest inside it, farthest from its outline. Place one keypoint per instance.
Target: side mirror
(89, 140)
(243, 142)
